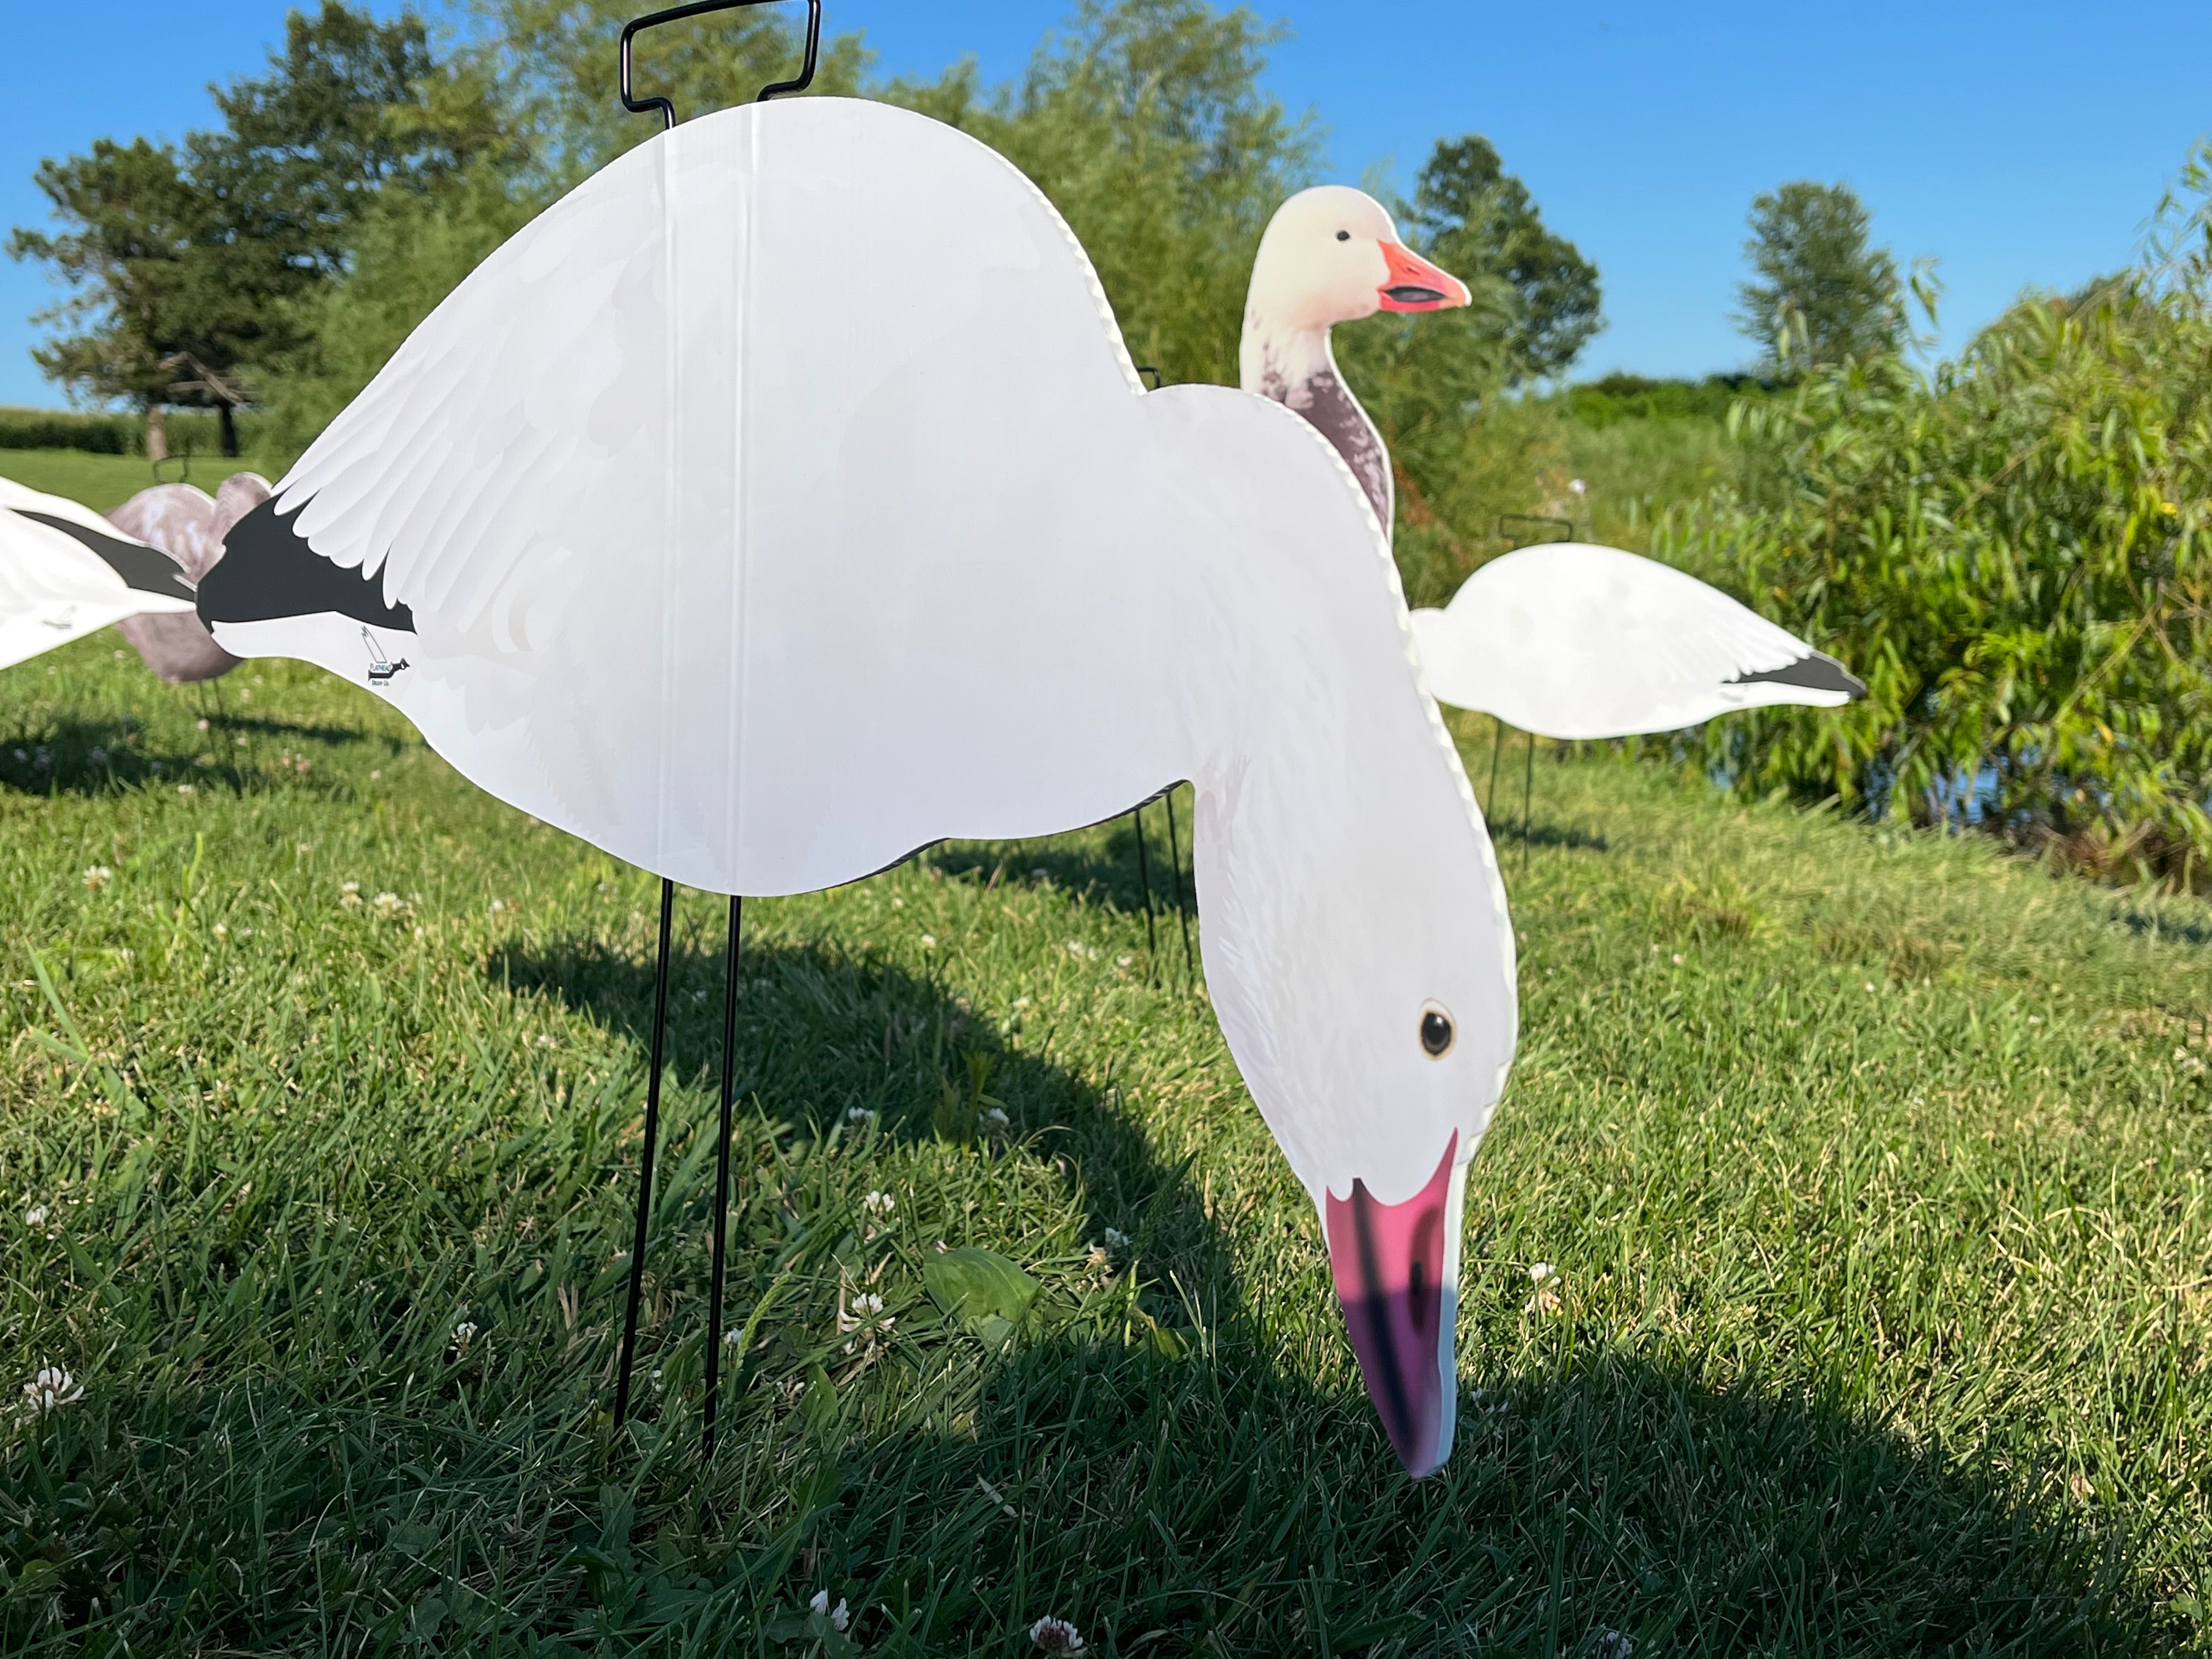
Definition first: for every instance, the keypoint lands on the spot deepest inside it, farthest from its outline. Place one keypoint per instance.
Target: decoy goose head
(1331, 255)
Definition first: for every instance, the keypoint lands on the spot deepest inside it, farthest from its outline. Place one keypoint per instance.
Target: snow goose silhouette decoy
(1571, 642)
(760, 590)
(66, 572)
(1332, 255)
(189, 525)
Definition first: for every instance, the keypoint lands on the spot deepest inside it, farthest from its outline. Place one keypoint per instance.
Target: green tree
(1144, 123)
(186, 264)
(1820, 293)
(1478, 221)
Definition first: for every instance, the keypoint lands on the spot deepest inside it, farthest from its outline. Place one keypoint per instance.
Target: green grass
(106, 481)
(1873, 1168)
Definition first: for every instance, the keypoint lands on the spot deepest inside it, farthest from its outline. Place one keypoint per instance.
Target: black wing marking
(268, 572)
(1817, 673)
(147, 569)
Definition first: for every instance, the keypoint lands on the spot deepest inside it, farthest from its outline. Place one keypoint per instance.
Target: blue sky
(2021, 144)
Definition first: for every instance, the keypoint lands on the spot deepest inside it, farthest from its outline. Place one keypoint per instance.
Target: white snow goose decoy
(761, 582)
(1565, 641)
(66, 572)
(1574, 641)
(189, 525)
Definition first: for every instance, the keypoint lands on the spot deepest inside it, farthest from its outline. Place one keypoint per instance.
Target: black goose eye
(1343, 235)
(1436, 1032)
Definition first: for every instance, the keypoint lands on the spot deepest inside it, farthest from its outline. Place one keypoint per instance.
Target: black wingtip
(268, 572)
(147, 569)
(1817, 673)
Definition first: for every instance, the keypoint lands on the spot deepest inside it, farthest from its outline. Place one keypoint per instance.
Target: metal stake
(1144, 884)
(639, 105)
(1527, 794)
(1497, 743)
(629, 1354)
(1182, 909)
(721, 1187)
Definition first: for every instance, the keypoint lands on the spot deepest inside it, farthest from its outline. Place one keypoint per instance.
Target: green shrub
(2013, 555)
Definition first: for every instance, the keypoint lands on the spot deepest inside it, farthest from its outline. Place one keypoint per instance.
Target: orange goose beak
(1414, 284)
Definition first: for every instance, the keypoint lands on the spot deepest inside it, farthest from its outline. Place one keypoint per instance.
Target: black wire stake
(1497, 744)
(1182, 909)
(714, 1277)
(1145, 885)
(628, 1355)
(1528, 795)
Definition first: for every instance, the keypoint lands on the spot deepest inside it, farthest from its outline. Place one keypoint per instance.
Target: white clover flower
(1541, 1271)
(731, 1339)
(1116, 1239)
(498, 905)
(929, 941)
(183, 789)
(96, 876)
(1614, 1644)
(222, 930)
(1678, 963)
(1040, 873)
(1578, 486)
(839, 1616)
(859, 1115)
(390, 904)
(35, 1216)
(1545, 1278)
(1123, 961)
(997, 1118)
(50, 1390)
(878, 1204)
(204, 725)
(1021, 1002)
(466, 1332)
(1056, 1636)
(897, 904)
(349, 892)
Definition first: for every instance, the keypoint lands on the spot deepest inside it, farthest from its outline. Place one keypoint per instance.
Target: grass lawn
(1872, 1167)
(106, 481)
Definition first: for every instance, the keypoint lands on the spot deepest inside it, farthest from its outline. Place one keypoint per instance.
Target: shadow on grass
(1110, 874)
(1178, 1460)
(1228, 1488)
(93, 757)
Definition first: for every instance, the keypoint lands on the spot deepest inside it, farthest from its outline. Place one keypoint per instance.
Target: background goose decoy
(1563, 641)
(756, 587)
(1574, 641)
(189, 525)
(1332, 255)
(66, 572)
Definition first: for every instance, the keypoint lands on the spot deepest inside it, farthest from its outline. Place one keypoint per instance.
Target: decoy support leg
(1182, 907)
(1497, 745)
(628, 1356)
(718, 1241)
(1144, 884)
(1527, 798)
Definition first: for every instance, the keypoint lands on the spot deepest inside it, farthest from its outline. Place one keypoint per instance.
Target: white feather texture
(783, 499)
(1574, 641)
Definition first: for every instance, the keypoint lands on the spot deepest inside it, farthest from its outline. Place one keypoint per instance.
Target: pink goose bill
(1414, 284)
(1395, 1267)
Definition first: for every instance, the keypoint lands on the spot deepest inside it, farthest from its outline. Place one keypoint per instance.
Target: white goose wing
(1572, 641)
(65, 572)
(813, 383)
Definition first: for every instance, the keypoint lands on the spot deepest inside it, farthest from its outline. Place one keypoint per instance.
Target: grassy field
(106, 481)
(1872, 1168)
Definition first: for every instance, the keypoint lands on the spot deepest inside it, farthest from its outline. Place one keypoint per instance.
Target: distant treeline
(193, 432)
(1618, 397)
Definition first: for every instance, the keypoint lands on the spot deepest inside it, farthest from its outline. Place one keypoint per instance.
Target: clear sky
(2021, 144)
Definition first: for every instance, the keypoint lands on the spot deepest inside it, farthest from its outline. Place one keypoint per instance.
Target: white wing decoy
(1332, 255)
(66, 572)
(189, 525)
(783, 499)
(1574, 641)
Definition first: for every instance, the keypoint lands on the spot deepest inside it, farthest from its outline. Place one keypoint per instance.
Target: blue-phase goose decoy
(783, 499)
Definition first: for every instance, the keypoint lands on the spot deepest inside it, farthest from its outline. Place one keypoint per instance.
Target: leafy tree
(1478, 221)
(1143, 122)
(556, 64)
(186, 264)
(1821, 294)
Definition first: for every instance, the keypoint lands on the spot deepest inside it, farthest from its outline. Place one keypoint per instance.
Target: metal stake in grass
(627, 1358)
(629, 1354)
(1145, 885)
(1527, 797)
(1182, 909)
(721, 1187)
